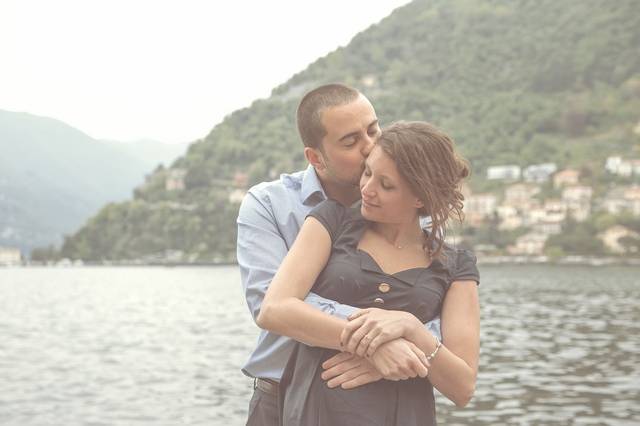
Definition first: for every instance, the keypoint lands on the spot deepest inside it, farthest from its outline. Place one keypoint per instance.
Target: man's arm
(261, 249)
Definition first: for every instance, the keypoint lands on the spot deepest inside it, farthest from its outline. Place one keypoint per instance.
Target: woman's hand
(413, 362)
(369, 328)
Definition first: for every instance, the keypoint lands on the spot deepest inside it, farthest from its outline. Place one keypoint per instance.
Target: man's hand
(349, 371)
(369, 328)
(398, 359)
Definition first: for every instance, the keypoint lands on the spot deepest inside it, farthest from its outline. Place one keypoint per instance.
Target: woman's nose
(365, 188)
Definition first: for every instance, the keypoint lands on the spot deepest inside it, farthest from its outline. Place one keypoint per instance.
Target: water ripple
(164, 346)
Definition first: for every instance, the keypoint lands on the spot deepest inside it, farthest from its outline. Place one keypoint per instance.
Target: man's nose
(369, 143)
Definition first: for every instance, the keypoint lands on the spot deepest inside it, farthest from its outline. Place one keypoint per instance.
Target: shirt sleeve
(331, 214)
(260, 251)
(465, 267)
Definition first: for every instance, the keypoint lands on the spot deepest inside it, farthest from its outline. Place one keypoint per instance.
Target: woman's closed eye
(386, 186)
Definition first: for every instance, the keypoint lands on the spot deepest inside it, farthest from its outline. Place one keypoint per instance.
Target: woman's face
(386, 196)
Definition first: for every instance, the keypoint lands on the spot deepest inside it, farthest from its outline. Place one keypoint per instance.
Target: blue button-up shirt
(270, 217)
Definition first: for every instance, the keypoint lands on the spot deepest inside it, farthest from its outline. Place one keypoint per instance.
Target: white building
(483, 204)
(621, 167)
(632, 195)
(478, 207)
(510, 172)
(521, 195)
(237, 195)
(612, 164)
(529, 244)
(539, 173)
(556, 210)
(10, 256)
(623, 200)
(548, 227)
(509, 216)
(578, 200)
(175, 180)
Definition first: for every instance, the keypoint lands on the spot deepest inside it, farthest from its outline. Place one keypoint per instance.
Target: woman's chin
(366, 212)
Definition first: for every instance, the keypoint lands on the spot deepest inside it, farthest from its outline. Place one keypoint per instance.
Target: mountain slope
(515, 82)
(53, 177)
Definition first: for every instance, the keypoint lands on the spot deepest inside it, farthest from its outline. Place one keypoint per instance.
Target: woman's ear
(315, 158)
(418, 204)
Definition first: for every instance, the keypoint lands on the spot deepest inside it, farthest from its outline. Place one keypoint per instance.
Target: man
(338, 127)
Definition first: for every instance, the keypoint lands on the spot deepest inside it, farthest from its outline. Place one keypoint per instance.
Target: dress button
(378, 300)
(384, 287)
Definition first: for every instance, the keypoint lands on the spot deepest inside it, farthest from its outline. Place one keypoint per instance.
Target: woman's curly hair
(426, 159)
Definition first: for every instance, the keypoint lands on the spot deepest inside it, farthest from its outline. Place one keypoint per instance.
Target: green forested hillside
(514, 81)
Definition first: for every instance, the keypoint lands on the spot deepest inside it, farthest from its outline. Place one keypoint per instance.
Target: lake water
(164, 346)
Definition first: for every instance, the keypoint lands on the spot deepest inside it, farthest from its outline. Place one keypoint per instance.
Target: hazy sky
(166, 70)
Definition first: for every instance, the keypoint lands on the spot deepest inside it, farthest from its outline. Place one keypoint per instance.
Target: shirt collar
(311, 185)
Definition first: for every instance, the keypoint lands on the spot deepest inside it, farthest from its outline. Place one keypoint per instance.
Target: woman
(375, 256)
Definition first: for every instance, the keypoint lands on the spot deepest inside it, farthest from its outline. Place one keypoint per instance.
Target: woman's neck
(400, 235)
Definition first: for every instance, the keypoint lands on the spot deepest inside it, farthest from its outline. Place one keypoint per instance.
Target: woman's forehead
(378, 159)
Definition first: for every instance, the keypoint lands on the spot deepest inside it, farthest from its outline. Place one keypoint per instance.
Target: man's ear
(315, 158)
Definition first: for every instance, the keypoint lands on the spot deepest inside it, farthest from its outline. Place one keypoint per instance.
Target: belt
(266, 386)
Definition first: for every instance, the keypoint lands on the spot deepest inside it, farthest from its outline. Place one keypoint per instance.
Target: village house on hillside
(632, 195)
(565, 178)
(479, 207)
(539, 173)
(619, 166)
(547, 220)
(578, 200)
(521, 206)
(240, 183)
(620, 200)
(520, 195)
(531, 244)
(613, 238)
(175, 180)
(10, 256)
(241, 180)
(510, 172)
(237, 195)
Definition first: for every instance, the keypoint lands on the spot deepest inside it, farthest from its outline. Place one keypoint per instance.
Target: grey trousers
(263, 409)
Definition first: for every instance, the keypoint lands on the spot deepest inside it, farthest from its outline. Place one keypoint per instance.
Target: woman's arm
(283, 310)
(454, 369)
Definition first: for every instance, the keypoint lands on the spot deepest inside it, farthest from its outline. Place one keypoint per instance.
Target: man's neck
(345, 195)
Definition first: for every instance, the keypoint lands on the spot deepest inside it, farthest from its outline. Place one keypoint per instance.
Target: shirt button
(378, 300)
(384, 287)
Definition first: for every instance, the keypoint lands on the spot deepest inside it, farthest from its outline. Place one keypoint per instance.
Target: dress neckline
(377, 265)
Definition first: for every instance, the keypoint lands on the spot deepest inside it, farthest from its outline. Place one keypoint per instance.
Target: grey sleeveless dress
(353, 277)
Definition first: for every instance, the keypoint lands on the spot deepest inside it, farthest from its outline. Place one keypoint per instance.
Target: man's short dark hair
(312, 105)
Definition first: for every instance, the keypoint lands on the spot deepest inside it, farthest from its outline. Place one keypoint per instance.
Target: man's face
(352, 131)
